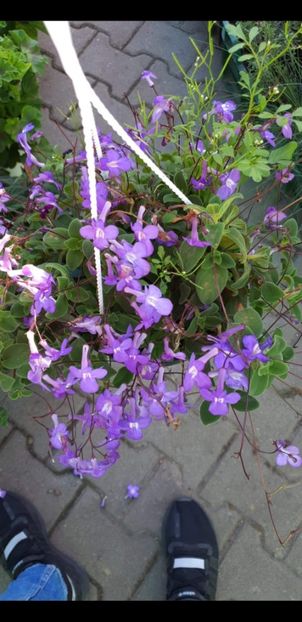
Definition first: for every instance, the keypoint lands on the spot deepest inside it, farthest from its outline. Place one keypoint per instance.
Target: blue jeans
(37, 582)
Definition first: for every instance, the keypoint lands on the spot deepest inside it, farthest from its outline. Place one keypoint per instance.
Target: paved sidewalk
(120, 544)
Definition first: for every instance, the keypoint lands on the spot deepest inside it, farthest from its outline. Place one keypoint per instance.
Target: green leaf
(247, 402)
(190, 255)
(271, 292)
(227, 261)
(297, 112)
(243, 279)
(237, 240)
(51, 265)
(288, 353)
(74, 259)
(74, 228)
(253, 33)
(55, 239)
(123, 376)
(258, 384)
(61, 308)
(251, 319)
(205, 415)
(235, 48)
(180, 182)
(73, 244)
(215, 233)
(87, 248)
(283, 155)
(15, 355)
(210, 283)
(245, 57)
(7, 322)
(279, 344)
(77, 294)
(3, 417)
(6, 382)
(283, 108)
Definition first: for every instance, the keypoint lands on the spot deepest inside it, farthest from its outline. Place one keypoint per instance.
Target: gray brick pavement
(120, 543)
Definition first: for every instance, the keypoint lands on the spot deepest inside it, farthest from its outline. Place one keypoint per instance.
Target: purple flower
(2, 493)
(287, 454)
(252, 349)
(169, 354)
(287, 128)
(148, 76)
(22, 140)
(273, 217)
(194, 239)
(47, 177)
(132, 491)
(152, 305)
(38, 364)
(223, 110)
(58, 435)
(229, 184)
(101, 191)
(202, 182)
(144, 234)
(284, 176)
(194, 375)
(60, 388)
(136, 420)
(160, 105)
(167, 238)
(133, 257)
(88, 324)
(218, 398)
(115, 163)
(268, 136)
(86, 375)
(54, 354)
(200, 146)
(236, 380)
(100, 234)
(4, 197)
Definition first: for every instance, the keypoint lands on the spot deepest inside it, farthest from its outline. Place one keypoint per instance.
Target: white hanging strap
(60, 34)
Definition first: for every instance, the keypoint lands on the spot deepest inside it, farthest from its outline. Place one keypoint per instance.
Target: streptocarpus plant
(184, 284)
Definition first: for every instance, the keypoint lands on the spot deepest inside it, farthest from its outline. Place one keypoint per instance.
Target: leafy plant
(20, 64)
(187, 284)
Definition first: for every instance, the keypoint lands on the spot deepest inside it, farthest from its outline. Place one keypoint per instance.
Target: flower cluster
(184, 284)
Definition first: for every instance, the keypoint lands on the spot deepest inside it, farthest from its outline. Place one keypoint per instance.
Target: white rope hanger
(60, 34)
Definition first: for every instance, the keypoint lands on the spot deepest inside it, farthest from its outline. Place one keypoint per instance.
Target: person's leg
(37, 582)
(192, 552)
(39, 570)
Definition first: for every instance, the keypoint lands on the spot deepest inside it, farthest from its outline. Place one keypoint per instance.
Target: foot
(24, 542)
(192, 552)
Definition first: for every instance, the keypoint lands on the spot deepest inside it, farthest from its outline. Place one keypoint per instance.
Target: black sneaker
(192, 552)
(24, 542)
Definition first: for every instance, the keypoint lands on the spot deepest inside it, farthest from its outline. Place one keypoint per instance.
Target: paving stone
(294, 559)
(165, 85)
(149, 509)
(225, 520)
(192, 26)
(57, 135)
(21, 472)
(159, 39)
(4, 430)
(23, 411)
(273, 419)
(120, 111)
(135, 464)
(228, 483)
(153, 587)
(120, 32)
(113, 558)
(80, 37)
(194, 446)
(93, 593)
(57, 92)
(103, 62)
(257, 575)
